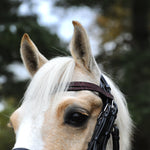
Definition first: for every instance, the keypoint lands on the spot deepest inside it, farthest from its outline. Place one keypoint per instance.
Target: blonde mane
(55, 73)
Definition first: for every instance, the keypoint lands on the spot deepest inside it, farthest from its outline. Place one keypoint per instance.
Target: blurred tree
(12, 27)
(125, 54)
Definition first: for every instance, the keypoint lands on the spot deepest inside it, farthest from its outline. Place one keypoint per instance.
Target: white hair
(57, 73)
(50, 79)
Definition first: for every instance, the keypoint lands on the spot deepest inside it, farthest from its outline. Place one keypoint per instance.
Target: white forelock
(50, 79)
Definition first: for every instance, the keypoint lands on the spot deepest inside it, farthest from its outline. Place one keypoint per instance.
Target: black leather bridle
(105, 125)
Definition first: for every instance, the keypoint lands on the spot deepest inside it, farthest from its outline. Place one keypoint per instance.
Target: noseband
(105, 125)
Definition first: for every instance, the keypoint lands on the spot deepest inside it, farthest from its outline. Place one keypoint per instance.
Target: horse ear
(80, 47)
(30, 55)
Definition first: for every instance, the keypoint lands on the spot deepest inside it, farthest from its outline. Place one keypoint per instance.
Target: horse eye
(76, 118)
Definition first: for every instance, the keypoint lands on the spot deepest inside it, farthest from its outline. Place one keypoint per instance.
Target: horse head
(53, 118)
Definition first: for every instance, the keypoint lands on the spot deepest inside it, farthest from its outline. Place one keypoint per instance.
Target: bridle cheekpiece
(105, 125)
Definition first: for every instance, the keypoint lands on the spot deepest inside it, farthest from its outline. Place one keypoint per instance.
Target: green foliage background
(125, 23)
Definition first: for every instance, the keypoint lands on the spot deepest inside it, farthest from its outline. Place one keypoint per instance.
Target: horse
(51, 117)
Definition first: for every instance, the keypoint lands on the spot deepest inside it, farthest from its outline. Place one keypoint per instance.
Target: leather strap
(78, 86)
(106, 119)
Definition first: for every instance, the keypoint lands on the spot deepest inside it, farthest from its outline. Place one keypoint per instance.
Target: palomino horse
(53, 118)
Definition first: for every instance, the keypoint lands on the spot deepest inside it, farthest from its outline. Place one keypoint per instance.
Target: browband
(78, 86)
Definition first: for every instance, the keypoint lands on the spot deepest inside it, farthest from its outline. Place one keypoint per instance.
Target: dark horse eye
(76, 117)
